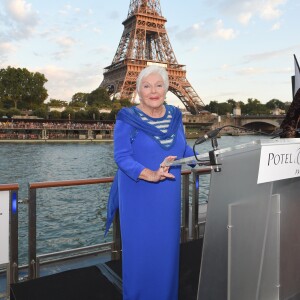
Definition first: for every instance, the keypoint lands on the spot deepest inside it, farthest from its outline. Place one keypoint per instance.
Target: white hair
(153, 69)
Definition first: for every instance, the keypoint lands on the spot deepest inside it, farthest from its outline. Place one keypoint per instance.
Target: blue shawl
(131, 117)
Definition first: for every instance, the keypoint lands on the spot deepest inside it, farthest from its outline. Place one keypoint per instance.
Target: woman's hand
(160, 174)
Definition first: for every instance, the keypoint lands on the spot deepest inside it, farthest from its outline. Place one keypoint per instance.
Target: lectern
(251, 244)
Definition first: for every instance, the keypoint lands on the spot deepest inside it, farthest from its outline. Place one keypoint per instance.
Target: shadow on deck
(104, 282)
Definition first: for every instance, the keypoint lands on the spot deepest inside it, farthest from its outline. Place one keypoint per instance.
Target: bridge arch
(275, 123)
(263, 126)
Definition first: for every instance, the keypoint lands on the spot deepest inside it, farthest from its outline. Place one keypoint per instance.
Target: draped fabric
(131, 117)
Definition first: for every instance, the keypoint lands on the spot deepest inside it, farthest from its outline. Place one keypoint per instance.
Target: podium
(251, 248)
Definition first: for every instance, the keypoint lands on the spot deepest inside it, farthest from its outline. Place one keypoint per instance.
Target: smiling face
(152, 92)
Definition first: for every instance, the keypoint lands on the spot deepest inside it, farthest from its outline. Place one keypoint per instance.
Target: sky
(232, 49)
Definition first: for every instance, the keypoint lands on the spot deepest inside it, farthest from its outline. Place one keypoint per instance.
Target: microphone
(208, 135)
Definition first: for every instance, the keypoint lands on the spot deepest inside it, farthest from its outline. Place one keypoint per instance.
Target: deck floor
(97, 283)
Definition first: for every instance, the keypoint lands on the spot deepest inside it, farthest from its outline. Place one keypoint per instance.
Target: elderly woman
(146, 136)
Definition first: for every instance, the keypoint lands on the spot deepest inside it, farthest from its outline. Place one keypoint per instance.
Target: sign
(4, 227)
(279, 162)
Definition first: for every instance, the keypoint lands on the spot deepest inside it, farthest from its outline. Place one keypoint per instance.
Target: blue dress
(149, 214)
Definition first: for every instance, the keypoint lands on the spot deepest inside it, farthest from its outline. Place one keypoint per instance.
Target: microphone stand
(213, 157)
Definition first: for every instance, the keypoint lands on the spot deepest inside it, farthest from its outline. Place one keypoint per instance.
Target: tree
(93, 113)
(224, 108)
(232, 103)
(79, 100)
(2, 113)
(54, 115)
(99, 98)
(20, 88)
(275, 103)
(213, 107)
(13, 112)
(254, 107)
(81, 115)
(38, 93)
(41, 112)
(68, 114)
(57, 103)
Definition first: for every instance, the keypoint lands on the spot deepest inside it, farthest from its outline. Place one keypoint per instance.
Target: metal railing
(190, 225)
(33, 260)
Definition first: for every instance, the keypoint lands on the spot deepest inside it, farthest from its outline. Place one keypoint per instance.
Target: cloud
(245, 10)
(7, 47)
(276, 26)
(97, 30)
(20, 19)
(65, 42)
(269, 9)
(21, 11)
(224, 33)
(210, 28)
(250, 71)
(63, 84)
(244, 18)
(114, 15)
(271, 54)
(60, 55)
(194, 49)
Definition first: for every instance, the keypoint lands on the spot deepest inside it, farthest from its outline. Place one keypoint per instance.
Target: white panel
(4, 227)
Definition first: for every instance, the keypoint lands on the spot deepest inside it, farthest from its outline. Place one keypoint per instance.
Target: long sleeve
(123, 153)
(188, 150)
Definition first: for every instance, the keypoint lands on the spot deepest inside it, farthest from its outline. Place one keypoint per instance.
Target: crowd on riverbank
(55, 125)
(20, 130)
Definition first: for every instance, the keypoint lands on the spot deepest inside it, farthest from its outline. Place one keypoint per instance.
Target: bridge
(259, 122)
(265, 123)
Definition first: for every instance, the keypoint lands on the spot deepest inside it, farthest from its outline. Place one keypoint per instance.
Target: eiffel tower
(144, 42)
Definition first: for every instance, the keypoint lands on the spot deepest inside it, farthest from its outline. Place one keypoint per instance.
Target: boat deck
(104, 280)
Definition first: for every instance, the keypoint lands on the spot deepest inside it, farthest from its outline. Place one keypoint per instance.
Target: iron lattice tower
(145, 41)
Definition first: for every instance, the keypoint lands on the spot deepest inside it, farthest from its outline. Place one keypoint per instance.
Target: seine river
(70, 217)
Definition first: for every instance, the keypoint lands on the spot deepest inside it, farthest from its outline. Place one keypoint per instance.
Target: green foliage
(254, 107)
(212, 107)
(275, 103)
(2, 113)
(113, 114)
(81, 115)
(57, 103)
(20, 88)
(13, 112)
(41, 112)
(125, 103)
(224, 108)
(232, 103)
(68, 114)
(93, 113)
(105, 116)
(99, 98)
(54, 115)
(79, 100)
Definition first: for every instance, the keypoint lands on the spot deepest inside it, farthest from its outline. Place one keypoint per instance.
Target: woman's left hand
(163, 170)
(161, 174)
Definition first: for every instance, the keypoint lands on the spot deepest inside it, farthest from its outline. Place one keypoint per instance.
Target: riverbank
(43, 141)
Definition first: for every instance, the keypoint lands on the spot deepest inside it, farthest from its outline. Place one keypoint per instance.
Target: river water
(71, 217)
